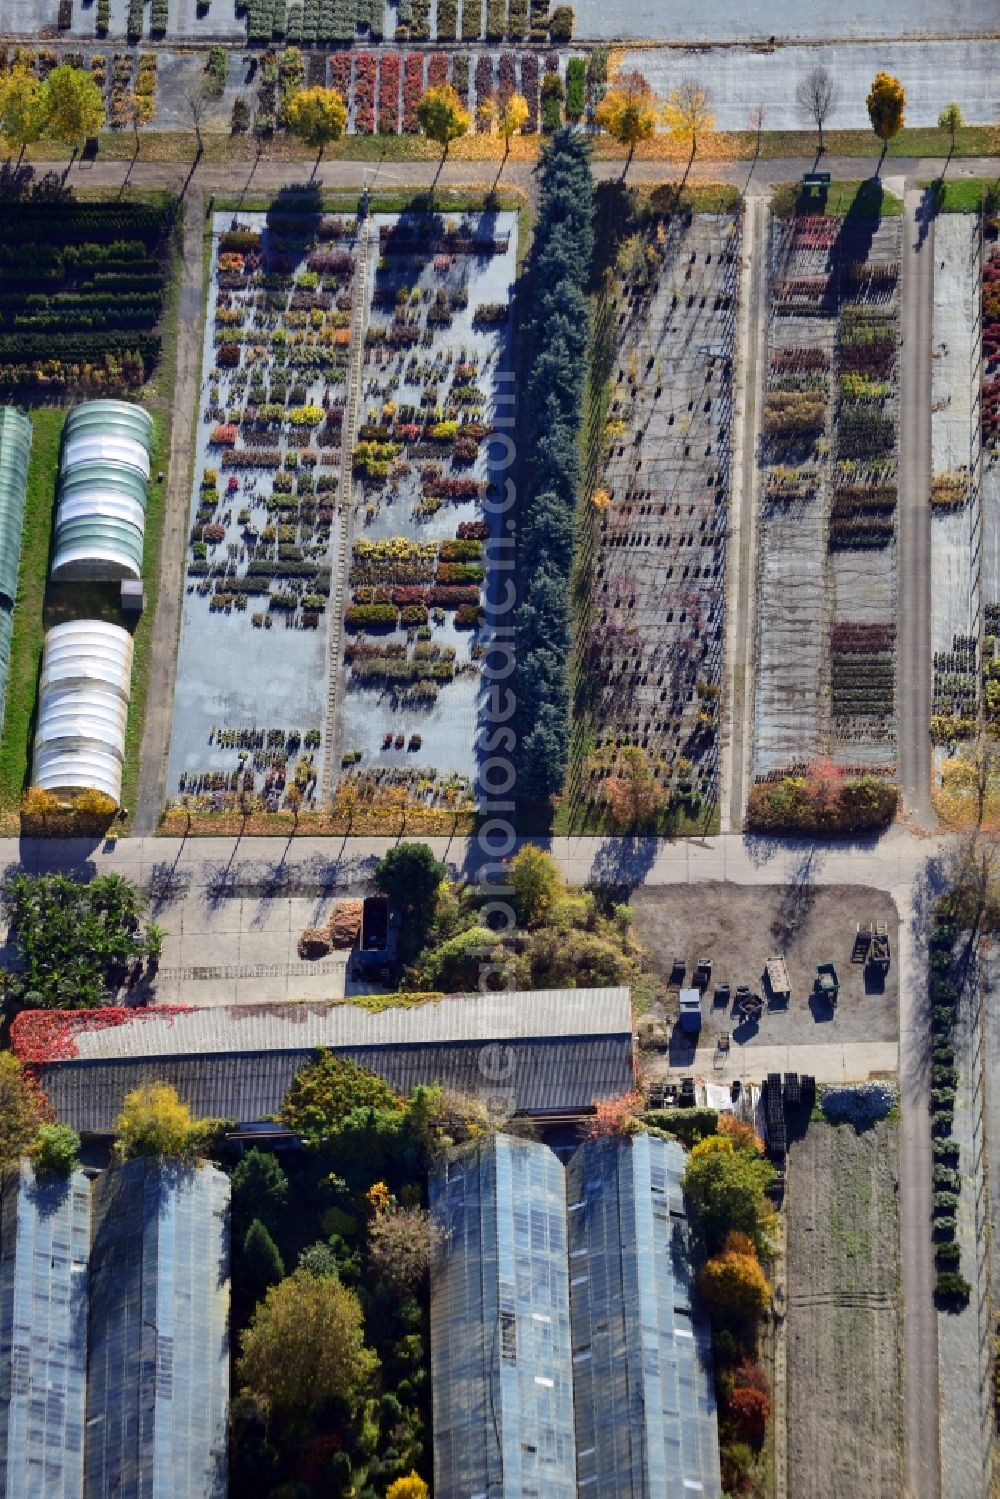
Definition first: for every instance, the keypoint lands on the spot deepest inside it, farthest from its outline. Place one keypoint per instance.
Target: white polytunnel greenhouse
(83, 708)
(103, 480)
(15, 447)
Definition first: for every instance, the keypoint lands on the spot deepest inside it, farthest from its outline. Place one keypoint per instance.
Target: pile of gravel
(859, 1105)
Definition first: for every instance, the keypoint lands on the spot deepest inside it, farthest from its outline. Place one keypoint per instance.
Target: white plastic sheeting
(95, 447)
(83, 708)
(103, 477)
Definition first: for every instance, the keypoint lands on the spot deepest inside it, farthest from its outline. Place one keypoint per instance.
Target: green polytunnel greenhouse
(103, 481)
(15, 448)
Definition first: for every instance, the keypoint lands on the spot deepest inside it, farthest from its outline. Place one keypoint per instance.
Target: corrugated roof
(534, 1075)
(302, 1027)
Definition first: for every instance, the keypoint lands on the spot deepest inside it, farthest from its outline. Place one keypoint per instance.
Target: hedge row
(797, 804)
(553, 412)
(951, 1290)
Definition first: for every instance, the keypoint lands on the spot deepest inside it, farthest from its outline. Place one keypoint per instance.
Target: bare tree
(755, 122)
(816, 95)
(198, 97)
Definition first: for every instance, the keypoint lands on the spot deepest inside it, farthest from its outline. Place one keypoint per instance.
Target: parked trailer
(777, 978)
(827, 982)
(878, 953)
(862, 943)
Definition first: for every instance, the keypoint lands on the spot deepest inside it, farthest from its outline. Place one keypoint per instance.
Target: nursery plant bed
(434, 383)
(649, 652)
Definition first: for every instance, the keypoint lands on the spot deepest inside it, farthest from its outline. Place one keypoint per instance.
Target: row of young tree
(555, 335)
(67, 107)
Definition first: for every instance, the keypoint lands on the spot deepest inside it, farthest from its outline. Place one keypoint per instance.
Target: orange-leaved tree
(632, 794)
(742, 1133)
(615, 1117)
(735, 1279)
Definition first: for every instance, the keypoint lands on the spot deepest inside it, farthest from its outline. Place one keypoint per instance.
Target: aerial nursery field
(337, 555)
(265, 530)
(434, 377)
(965, 496)
(955, 499)
(81, 294)
(88, 294)
(825, 647)
(844, 1419)
(651, 656)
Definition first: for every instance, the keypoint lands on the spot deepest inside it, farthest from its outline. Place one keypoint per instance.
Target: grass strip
(26, 644)
(867, 199)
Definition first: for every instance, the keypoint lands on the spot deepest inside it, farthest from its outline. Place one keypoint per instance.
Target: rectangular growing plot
(956, 520)
(653, 648)
(826, 598)
(253, 668)
(436, 365)
(844, 1419)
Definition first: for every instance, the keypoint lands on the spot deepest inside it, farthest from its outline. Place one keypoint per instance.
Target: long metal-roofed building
(44, 1248)
(501, 1374)
(15, 452)
(618, 1403)
(646, 1423)
(158, 1358)
(549, 1051)
(103, 488)
(83, 700)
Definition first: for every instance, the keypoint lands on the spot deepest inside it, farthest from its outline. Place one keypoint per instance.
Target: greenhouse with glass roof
(103, 481)
(569, 1354)
(15, 448)
(83, 708)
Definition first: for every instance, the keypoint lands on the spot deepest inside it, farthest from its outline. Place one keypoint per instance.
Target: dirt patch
(842, 1329)
(739, 927)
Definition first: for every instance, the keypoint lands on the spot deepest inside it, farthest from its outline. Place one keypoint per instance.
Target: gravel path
(913, 630)
(160, 697)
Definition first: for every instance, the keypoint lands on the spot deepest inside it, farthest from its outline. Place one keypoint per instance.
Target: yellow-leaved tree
(886, 110)
(74, 106)
(317, 116)
(687, 114)
(22, 109)
(628, 112)
(443, 118)
(411, 1486)
(154, 1121)
(511, 117)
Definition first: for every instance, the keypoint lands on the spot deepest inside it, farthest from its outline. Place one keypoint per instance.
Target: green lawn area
(179, 146)
(963, 194)
(868, 198)
(26, 645)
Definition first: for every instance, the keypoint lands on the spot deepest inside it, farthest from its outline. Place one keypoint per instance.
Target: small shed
(691, 1011)
(131, 596)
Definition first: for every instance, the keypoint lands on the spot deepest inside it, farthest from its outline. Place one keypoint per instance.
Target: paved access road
(401, 175)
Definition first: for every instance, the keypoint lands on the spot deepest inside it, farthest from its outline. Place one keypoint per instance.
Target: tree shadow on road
(798, 895)
(167, 883)
(927, 210)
